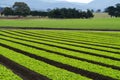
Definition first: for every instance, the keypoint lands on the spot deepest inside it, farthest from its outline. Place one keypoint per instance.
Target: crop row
(72, 62)
(40, 45)
(68, 38)
(110, 34)
(59, 58)
(6, 74)
(39, 66)
(82, 49)
(83, 36)
(97, 46)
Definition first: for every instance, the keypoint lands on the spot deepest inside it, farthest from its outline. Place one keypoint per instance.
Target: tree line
(69, 13)
(113, 11)
(22, 9)
(18, 9)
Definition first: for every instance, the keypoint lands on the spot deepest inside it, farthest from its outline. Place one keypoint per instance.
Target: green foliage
(21, 9)
(41, 67)
(7, 11)
(89, 14)
(6, 74)
(39, 13)
(69, 13)
(64, 51)
(114, 11)
(99, 38)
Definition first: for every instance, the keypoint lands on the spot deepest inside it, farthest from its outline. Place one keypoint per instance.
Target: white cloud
(80, 1)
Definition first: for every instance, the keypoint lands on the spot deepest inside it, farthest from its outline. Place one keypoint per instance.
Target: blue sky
(78, 1)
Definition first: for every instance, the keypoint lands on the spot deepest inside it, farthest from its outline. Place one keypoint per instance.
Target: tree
(69, 13)
(113, 10)
(7, 11)
(21, 9)
(98, 11)
(1, 10)
(34, 13)
(55, 13)
(89, 14)
(39, 13)
(117, 13)
(92, 10)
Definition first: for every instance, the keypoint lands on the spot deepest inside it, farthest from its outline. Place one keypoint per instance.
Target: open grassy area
(103, 23)
(101, 15)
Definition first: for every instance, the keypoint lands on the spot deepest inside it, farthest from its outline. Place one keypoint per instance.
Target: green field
(95, 23)
(101, 15)
(64, 55)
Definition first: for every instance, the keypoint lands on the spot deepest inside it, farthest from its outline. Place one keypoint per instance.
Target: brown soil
(42, 28)
(23, 72)
(94, 76)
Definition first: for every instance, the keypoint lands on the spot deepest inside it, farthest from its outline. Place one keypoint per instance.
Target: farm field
(95, 23)
(6, 74)
(59, 55)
